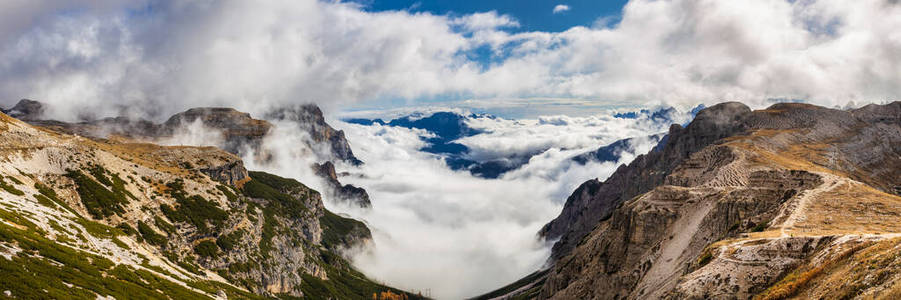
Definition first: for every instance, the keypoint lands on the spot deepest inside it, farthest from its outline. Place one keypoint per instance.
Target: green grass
(284, 192)
(150, 235)
(99, 230)
(97, 199)
(207, 249)
(336, 230)
(10, 189)
(14, 180)
(343, 282)
(50, 194)
(126, 229)
(194, 209)
(43, 200)
(227, 192)
(44, 268)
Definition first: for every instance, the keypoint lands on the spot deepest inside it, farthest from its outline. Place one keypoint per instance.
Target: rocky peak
(583, 210)
(730, 204)
(26, 109)
(345, 193)
(309, 118)
(239, 128)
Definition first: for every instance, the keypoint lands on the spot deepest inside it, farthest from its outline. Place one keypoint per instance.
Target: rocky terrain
(793, 201)
(86, 217)
(241, 134)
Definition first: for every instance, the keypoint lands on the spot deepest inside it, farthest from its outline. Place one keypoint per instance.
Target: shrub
(98, 200)
(207, 248)
(126, 229)
(10, 189)
(194, 210)
(150, 235)
(228, 241)
(760, 227)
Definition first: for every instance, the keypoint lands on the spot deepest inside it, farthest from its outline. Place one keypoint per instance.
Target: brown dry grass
(792, 283)
(795, 156)
(860, 275)
(852, 208)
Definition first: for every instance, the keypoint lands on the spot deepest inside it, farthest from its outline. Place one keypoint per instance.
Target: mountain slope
(82, 218)
(739, 203)
(241, 134)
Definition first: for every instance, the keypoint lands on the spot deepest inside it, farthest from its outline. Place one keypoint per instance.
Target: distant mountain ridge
(451, 126)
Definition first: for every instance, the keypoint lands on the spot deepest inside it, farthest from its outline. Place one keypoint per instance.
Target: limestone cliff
(791, 201)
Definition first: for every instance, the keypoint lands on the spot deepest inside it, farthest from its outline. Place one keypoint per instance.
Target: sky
(533, 15)
(154, 57)
(558, 68)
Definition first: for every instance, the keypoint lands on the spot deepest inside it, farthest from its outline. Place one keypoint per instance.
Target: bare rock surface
(739, 204)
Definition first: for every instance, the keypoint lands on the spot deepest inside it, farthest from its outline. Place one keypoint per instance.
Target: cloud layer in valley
(450, 232)
(157, 57)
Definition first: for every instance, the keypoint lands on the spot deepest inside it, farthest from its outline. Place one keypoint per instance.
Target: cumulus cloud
(157, 57)
(559, 8)
(427, 219)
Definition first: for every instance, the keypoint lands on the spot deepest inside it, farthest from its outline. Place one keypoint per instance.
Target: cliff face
(86, 218)
(595, 201)
(345, 193)
(772, 203)
(238, 128)
(309, 118)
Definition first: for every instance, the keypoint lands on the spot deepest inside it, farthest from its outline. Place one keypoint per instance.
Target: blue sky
(533, 15)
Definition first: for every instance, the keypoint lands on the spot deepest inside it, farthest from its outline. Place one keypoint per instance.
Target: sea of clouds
(449, 232)
(437, 229)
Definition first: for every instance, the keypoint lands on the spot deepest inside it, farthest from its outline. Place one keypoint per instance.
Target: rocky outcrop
(583, 211)
(25, 109)
(309, 118)
(613, 151)
(232, 173)
(343, 193)
(238, 128)
(731, 204)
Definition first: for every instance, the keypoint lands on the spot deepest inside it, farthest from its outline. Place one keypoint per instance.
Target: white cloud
(559, 8)
(427, 219)
(113, 57)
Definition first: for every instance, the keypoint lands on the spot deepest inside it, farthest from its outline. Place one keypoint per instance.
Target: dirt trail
(801, 202)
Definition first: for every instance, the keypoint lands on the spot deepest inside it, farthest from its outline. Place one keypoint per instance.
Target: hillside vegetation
(83, 218)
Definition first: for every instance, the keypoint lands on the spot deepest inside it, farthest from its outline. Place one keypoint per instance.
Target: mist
(447, 232)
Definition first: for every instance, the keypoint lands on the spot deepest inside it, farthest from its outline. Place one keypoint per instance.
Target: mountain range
(447, 128)
(791, 201)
